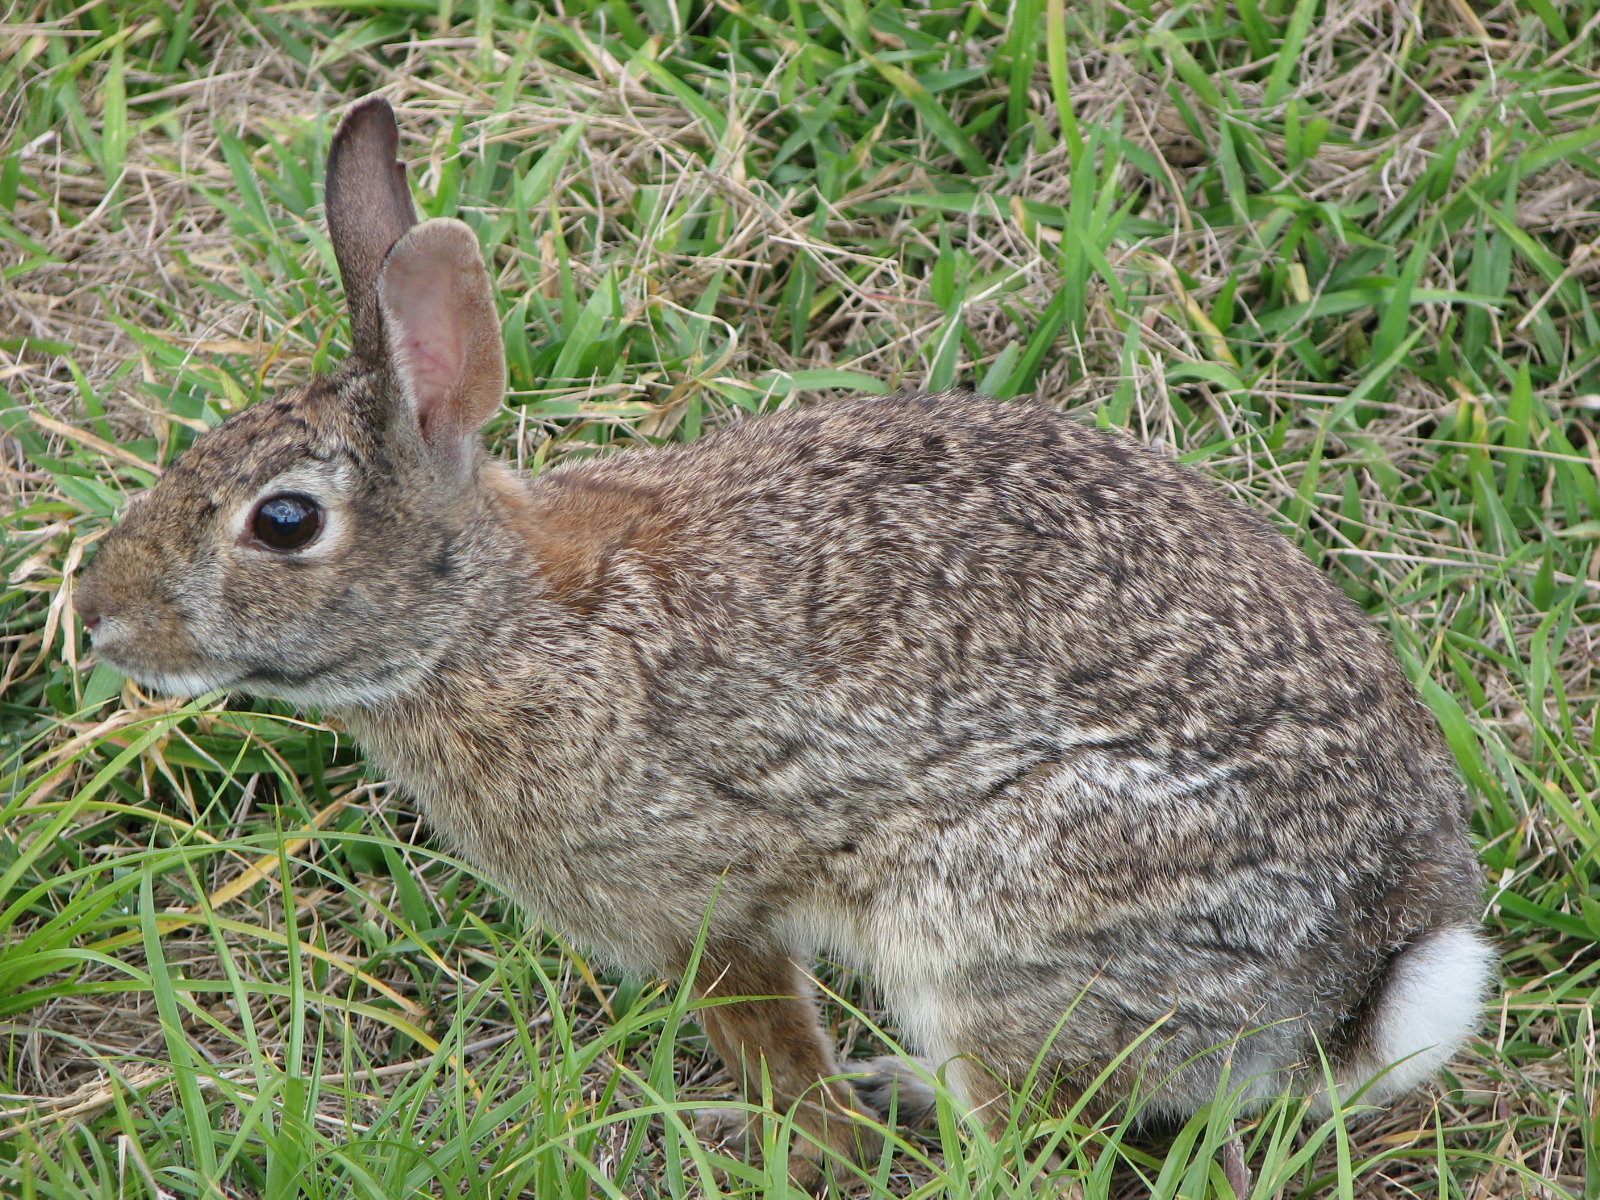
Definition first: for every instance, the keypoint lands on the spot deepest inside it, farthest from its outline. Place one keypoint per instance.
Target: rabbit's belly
(965, 977)
(970, 988)
(912, 964)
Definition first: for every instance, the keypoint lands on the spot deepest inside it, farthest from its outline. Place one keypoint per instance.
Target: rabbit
(1085, 766)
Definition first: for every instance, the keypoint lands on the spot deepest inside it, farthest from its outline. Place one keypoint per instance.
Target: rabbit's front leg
(776, 1041)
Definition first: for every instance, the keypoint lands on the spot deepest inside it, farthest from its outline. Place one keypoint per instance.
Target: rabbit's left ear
(443, 335)
(368, 206)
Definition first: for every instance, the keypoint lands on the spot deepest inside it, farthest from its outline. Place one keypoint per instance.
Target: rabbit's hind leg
(777, 1042)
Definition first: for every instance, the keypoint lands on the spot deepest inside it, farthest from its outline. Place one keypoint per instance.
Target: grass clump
(1340, 255)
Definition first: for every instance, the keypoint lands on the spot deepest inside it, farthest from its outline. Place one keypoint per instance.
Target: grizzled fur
(1017, 716)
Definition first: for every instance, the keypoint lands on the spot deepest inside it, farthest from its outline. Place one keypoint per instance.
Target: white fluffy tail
(1432, 1002)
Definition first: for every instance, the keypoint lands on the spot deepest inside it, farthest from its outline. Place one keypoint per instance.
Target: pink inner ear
(432, 357)
(423, 305)
(428, 341)
(443, 332)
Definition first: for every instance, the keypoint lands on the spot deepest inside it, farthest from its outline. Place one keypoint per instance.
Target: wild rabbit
(1017, 716)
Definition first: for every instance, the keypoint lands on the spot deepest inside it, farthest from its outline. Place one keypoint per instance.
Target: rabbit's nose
(88, 607)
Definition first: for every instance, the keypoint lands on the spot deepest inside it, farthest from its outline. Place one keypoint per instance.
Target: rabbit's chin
(334, 696)
(171, 683)
(323, 687)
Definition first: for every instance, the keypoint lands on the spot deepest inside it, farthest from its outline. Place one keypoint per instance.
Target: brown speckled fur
(1016, 715)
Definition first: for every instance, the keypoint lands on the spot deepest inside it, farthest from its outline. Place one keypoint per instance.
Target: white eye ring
(316, 486)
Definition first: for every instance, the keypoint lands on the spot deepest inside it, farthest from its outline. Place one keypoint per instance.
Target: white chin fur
(324, 695)
(339, 696)
(1432, 1003)
(179, 683)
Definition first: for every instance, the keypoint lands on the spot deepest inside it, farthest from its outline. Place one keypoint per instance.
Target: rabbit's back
(982, 589)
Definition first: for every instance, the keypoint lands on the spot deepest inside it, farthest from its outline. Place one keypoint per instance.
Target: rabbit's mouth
(161, 662)
(170, 678)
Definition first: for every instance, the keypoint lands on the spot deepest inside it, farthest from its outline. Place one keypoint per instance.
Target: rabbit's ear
(368, 206)
(445, 351)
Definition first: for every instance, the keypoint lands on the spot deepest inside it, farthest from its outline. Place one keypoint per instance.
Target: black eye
(288, 522)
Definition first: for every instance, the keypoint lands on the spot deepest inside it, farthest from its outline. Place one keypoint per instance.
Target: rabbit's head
(310, 547)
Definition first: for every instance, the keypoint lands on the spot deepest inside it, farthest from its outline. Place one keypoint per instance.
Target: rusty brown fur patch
(579, 527)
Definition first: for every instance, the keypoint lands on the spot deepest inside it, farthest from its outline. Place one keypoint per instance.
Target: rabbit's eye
(287, 522)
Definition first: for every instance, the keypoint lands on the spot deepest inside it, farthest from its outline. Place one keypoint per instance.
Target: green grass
(1337, 255)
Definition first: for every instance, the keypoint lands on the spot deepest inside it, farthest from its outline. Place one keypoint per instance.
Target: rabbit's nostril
(88, 612)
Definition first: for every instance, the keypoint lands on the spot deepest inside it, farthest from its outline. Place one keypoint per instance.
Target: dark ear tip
(369, 117)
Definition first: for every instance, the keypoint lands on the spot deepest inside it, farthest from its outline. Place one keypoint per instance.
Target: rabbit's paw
(820, 1148)
(890, 1083)
(728, 1129)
